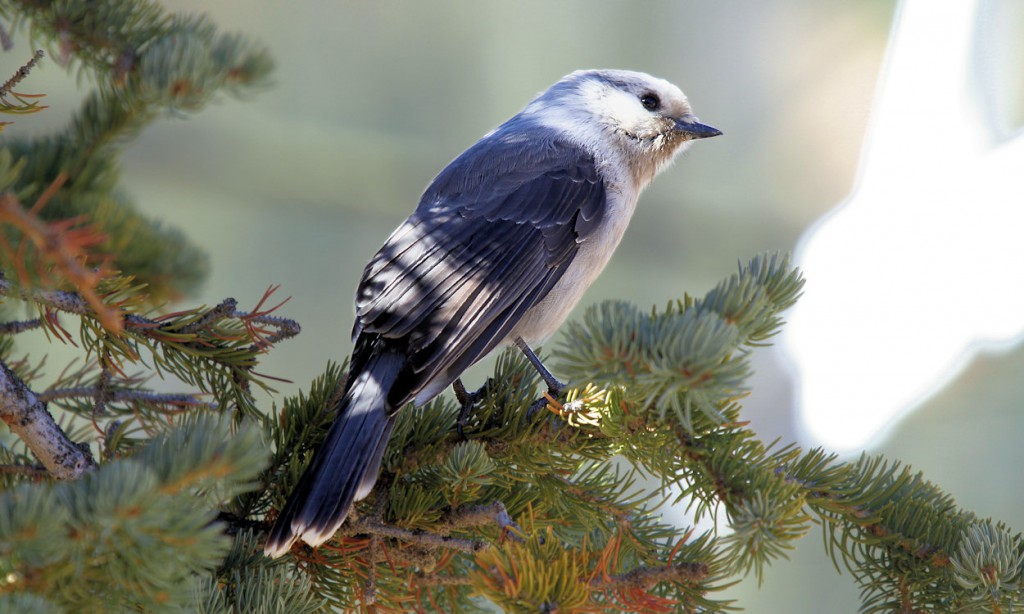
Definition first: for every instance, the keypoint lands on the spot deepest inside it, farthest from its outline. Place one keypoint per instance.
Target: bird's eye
(650, 102)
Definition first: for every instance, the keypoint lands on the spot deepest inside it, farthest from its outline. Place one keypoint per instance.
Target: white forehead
(591, 86)
(627, 81)
(612, 95)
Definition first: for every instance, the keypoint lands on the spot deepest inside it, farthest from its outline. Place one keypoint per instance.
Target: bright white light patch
(924, 263)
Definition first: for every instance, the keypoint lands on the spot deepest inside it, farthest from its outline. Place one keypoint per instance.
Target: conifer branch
(437, 580)
(23, 103)
(458, 520)
(72, 302)
(32, 471)
(643, 578)
(224, 335)
(56, 299)
(146, 63)
(660, 389)
(478, 515)
(63, 251)
(136, 533)
(364, 526)
(121, 395)
(7, 89)
(29, 419)
(19, 326)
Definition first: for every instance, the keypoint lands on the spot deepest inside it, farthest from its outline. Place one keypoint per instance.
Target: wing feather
(492, 235)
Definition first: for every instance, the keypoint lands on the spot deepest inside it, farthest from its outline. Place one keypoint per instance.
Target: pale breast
(543, 319)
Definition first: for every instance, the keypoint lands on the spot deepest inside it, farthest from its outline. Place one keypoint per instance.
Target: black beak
(692, 128)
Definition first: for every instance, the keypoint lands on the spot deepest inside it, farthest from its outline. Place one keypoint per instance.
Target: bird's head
(646, 120)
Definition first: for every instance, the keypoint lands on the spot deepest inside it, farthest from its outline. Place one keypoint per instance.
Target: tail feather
(370, 477)
(345, 467)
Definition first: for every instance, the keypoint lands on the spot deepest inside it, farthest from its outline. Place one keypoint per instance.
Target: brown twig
(422, 538)
(104, 393)
(19, 326)
(116, 396)
(32, 471)
(72, 302)
(478, 515)
(643, 578)
(440, 581)
(21, 73)
(459, 519)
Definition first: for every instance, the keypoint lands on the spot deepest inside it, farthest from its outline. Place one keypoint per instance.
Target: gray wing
(491, 236)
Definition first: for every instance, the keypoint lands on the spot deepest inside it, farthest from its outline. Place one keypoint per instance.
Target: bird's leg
(466, 402)
(554, 386)
(464, 398)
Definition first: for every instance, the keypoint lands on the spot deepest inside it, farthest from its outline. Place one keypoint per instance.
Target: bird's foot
(467, 400)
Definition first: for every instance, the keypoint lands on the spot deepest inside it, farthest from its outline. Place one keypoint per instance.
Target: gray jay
(503, 244)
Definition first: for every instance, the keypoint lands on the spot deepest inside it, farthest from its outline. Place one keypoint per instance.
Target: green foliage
(542, 573)
(554, 467)
(988, 564)
(212, 349)
(250, 582)
(659, 391)
(140, 530)
(136, 532)
(465, 472)
(144, 63)
(694, 355)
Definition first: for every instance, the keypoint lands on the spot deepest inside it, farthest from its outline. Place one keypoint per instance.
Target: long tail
(345, 467)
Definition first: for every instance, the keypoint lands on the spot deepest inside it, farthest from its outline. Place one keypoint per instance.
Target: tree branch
(477, 515)
(643, 578)
(432, 580)
(19, 75)
(115, 396)
(19, 326)
(29, 419)
(72, 302)
(422, 538)
(32, 471)
(462, 518)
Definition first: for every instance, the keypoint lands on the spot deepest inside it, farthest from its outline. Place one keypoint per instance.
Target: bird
(500, 248)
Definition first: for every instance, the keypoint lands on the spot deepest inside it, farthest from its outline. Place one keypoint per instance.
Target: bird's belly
(543, 319)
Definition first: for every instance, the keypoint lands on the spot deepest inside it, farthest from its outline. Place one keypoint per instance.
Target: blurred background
(301, 184)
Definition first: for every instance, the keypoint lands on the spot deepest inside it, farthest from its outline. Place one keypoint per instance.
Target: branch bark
(643, 578)
(29, 419)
